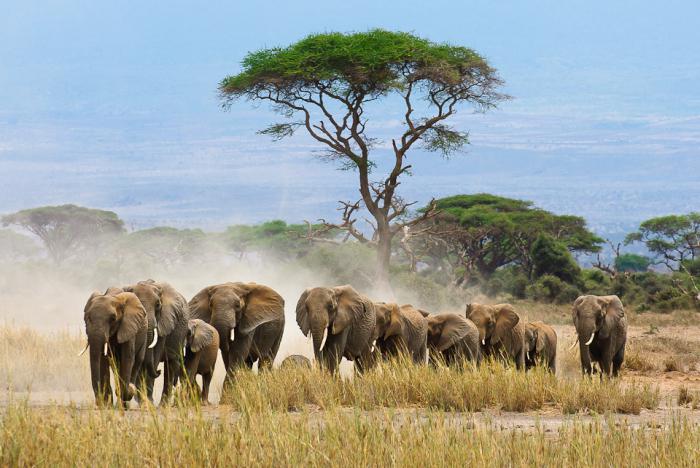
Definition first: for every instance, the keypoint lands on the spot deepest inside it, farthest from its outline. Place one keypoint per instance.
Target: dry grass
(71, 437)
(402, 384)
(42, 362)
(651, 352)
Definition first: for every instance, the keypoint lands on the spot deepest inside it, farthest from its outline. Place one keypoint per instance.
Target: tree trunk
(383, 256)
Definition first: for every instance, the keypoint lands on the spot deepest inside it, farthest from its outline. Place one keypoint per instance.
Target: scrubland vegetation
(68, 436)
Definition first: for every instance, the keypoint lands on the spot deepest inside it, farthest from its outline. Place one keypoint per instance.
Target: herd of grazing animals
(134, 328)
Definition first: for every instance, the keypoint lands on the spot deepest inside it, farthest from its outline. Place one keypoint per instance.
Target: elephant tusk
(527, 355)
(106, 348)
(483, 342)
(591, 339)
(155, 339)
(373, 344)
(574, 344)
(84, 349)
(325, 336)
(232, 336)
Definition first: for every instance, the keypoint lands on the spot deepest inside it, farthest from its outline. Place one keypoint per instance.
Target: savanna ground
(398, 414)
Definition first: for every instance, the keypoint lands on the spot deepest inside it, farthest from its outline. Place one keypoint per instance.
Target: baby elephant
(201, 351)
(540, 345)
(296, 361)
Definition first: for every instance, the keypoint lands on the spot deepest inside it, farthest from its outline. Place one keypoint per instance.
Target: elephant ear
(540, 343)
(350, 304)
(394, 326)
(262, 304)
(222, 305)
(506, 319)
(172, 306)
(202, 336)
(302, 313)
(423, 312)
(133, 316)
(199, 306)
(611, 304)
(454, 329)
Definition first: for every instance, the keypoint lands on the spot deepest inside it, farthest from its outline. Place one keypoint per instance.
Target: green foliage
(632, 263)
(66, 229)
(482, 233)
(550, 288)
(509, 280)
(283, 241)
(672, 239)
(370, 60)
(551, 257)
(596, 282)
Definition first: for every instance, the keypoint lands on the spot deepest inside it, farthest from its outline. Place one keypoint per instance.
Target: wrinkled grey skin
(201, 351)
(346, 317)
(250, 313)
(604, 316)
(401, 329)
(118, 319)
(167, 310)
(296, 360)
(453, 339)
(540, 345)
(501, 331)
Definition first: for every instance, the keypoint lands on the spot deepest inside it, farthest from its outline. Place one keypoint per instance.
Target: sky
(113, 105)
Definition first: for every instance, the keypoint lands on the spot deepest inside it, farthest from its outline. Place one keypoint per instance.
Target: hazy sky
(113, 105)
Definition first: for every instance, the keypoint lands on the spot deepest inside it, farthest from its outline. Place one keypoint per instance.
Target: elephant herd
(134, 328)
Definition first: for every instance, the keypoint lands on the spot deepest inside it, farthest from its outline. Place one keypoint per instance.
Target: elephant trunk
(96, 344)
(319, 334)
(585, 333)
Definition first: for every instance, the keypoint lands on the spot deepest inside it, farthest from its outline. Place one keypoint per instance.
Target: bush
(550, 288)
(509, 280)
(552, 258)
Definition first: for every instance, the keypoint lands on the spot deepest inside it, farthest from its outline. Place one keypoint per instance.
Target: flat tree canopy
(64, 229)
(323, 83)
(484, 232)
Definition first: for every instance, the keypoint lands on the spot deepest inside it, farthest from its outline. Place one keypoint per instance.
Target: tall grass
(42, 362)
(177, 437)
(402, 384)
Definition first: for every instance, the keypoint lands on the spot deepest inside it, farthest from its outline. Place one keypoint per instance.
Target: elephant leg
(617, 361)
(520, 359)
(334, 350)
(239, 350)
(206, 381)
(126, 363)
(173, 366)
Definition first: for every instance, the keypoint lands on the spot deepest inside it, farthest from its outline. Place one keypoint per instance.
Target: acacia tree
(481, 233)
(66, 229)
(673, 239)
(323, 84)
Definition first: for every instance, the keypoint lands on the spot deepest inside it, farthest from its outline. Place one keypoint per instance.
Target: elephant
(116, 327)
(401, 329)
(249, 318)
(501, 331)
(168, 312)
(454, 338)
(601, 327)
(540, 345)
(201, 351)
(295, 361)
(341, 322)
